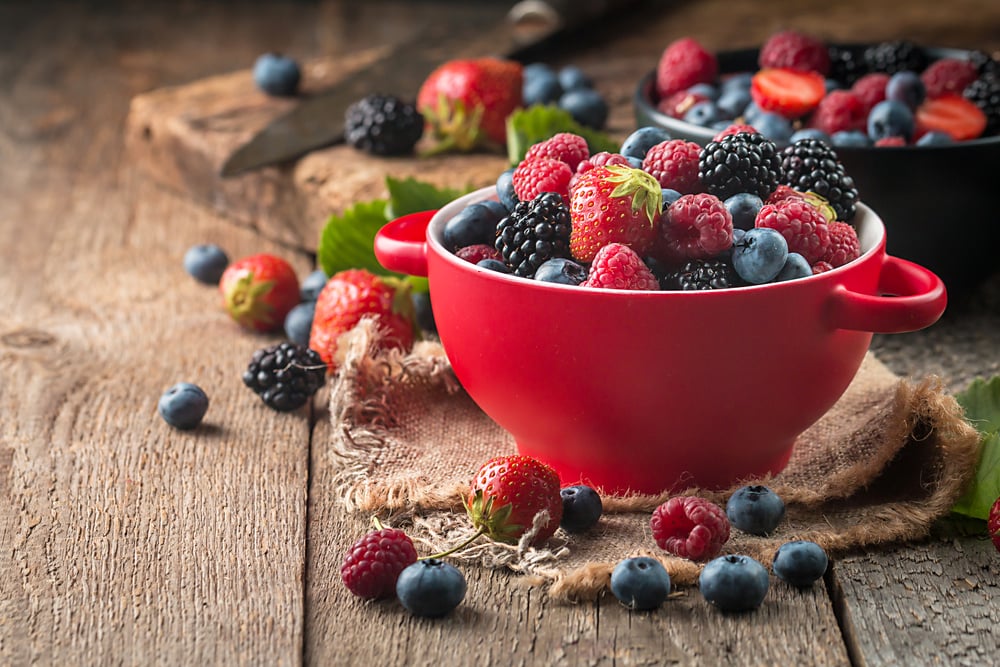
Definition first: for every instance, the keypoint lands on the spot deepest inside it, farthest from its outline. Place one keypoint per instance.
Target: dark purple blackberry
(383, 125)
(810, 165)
(984, 92)
(846, 65)
(534, 232)
(285, 375)
(984, 62)
(897, 56)
(742, 162)
(702, 274)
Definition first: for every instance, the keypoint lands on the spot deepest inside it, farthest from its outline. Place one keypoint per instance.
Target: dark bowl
(936, 201)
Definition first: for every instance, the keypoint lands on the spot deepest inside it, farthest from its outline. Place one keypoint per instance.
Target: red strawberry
(355, 293)
(506, 494)
(993, 524)
(373, 563)
(466, 102)
(952, 114)
(613, 204)
(788, 92)
(616, 266)
(258, 291)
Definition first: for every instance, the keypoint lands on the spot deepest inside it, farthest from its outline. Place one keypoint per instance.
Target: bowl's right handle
(401, 244)
(919, 299)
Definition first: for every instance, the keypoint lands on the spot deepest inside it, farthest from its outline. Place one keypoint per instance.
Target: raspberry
(993, 523)
(684, 63)
(844, 245)
(821, 267)
(802, 225)
(891, 141)
(674, 164)
(616, 266)
(783, 192)
(794, 50)
(677, 104)
(695, 227)
(735, 128)
(372, 565)
(478, 252)
(870, 90)
(533, 177)
(564, 146)
(948, 76)
(839, 111)
(690, 527)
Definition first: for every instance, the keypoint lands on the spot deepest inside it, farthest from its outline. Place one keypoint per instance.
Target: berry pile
(888, 94)
(568, 88)
(664, 213)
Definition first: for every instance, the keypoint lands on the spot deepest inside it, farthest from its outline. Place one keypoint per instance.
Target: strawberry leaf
(412, 196)
(527, 127)
(981, 402)
(347, 240)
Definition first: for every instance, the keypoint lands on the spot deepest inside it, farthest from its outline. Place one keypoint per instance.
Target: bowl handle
(919, 300)
(401, 244)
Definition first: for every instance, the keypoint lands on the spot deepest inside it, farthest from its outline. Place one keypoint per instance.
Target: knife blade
(496, 29)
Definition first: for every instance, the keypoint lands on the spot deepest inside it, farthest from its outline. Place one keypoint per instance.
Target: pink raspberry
(802, 225)
(684, 63)
(870, 90)
(948, 76)
(839, 111)
(735, 128)
(690, 527)
(372, 565)
(696, 226)
(677, 104)
(890, 141)
(821, 267)
(844, 245)
(477, 253)
(617, 266)
(533, 177)
(794, 50)
(783, 192)
(564, 146)
(674, 164)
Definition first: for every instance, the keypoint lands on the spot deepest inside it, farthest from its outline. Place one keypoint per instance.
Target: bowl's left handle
(401, 245)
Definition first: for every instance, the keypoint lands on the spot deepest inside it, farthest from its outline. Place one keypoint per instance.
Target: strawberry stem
(475, 536)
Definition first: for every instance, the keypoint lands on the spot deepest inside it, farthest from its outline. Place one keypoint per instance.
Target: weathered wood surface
(124, 542)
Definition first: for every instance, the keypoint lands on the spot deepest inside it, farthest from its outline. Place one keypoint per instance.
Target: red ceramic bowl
(653, 391)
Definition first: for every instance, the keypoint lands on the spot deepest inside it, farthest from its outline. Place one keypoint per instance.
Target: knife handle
(564, 14)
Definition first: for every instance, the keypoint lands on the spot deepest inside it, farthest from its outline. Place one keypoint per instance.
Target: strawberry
(258, 291)
(993, 524)
(353, 294)
(613, 204)
(466, 102)
(788, 92)
(952, 114)
(506, 494)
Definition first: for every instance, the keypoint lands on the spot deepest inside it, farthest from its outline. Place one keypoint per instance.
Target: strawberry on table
(614, 204)
(788, 92)
(506, 494)
(258, 291)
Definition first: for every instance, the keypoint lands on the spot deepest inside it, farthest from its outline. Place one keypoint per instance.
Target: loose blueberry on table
(183, 405)
(640, 583)
(734, 583)
(755, 509)
(800, 563)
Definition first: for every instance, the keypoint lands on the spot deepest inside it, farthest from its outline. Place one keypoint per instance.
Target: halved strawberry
(788, 92)
(953, 114)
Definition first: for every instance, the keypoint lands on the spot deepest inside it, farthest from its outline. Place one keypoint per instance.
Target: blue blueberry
(474, 224)
(810, 133)
(773, 126)
(755, 509)
(741, 81)
(851, 139)
(639, 142)
(493, 265)
(561, 270)
(424, 312)
(572, 77)
(738, 235)
(430, 588)
(298, 322)
(582, 507)
(702, 114)
(796, 266)
(751, 111)
(743, 207)
(499, 210)
(634, 162)
(732, 103)
(800, 563)
(706, 90)
(640, 583)
(669, 197)
(532, 70)
(312, 285)
(276, 74)
(542, 88)
(760, 255)
(830, 85)
(890, 118)
(906, 87)
(183, 406)
(505, 189)
(935, 138)
(734, 583)
(206, 263)
(586, 106)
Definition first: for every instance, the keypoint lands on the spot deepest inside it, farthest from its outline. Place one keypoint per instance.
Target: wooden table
(125, 542)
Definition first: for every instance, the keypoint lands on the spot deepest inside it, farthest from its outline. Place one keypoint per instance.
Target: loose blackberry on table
(383, 125)
(285, 375)
(810, 165)
(533, 233)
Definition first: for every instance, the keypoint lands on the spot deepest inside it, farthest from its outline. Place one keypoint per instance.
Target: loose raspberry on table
(478, 252)
(839, 111)
(564, 146)
(373, 563)
(533, 177)
(794, 50)
(948, 76)
(803, 225)
(844, 245)
(696, 226)
(684, 63)
(690, 527)
(735, 128)
(617, 266)
(674, 164)
(870, 90)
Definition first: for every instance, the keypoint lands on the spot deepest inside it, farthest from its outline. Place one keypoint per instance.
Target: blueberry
(206, 263)
(276, 74)
(741, 81)
(505, 190)
(532, 70)
(706, 90)
(734, 583)
(634, 162)
(430, 587)
(474, 224)
(572, 77)
(561, 270)
(542, 88)
(731, 103)
(312, 285)
(773, 126)
(935, 138)
(423, 311)
(830, 85)
(738, 235)
(795, 266)
(298, 322)
(493, 265)
(760, 255)
(755, 509)
(639, 142)
(582, 508)
(669, 197)
(640, 583)
(702, 114)
(751, 111)
(183, 406)
(810, 133)
(906, 87)
(800, 563)
(890, 118)
(850, 139)
(586, 106)
(744, 207)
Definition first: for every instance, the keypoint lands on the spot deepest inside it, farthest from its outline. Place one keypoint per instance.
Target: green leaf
(981, 402)
(412, 196)
(347, 240)
(526, 127)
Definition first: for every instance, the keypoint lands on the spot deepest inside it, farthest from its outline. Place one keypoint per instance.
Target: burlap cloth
(880, 467)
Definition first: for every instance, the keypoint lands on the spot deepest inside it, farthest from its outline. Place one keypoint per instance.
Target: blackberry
(742, 162)
(846, 65)
(702, 274)
(984, 62)
(285, 375)
(383, 125)
(984, 92)
(534, 232)
(897, 56)
(810, 165)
